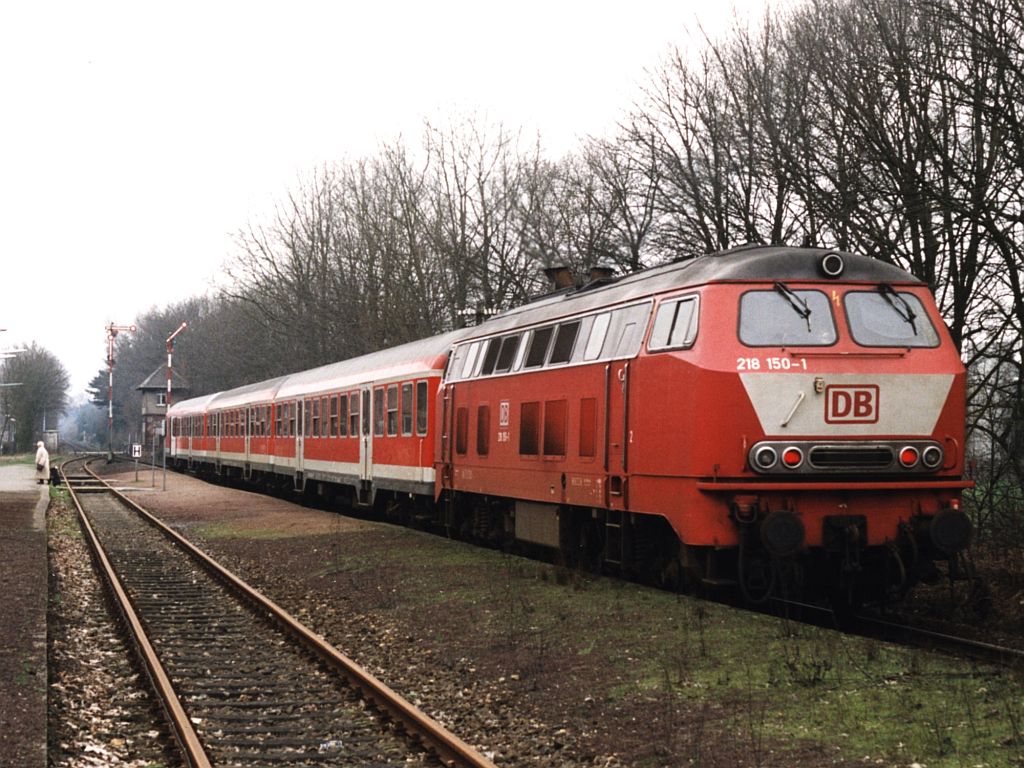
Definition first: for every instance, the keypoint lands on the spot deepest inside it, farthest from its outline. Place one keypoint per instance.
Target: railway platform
(23, 595)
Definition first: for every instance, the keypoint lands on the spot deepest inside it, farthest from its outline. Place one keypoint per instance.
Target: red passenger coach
(732, 417)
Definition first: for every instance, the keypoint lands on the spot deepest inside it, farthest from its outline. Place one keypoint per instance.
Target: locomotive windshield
(784, 317)
(885, 318)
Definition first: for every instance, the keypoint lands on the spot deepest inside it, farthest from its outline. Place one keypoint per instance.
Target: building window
(161, 398)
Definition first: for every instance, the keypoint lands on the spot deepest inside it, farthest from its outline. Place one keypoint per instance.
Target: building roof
(158, 380)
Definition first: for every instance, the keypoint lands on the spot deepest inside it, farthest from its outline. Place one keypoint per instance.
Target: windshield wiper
(798, 304)
(899, 305)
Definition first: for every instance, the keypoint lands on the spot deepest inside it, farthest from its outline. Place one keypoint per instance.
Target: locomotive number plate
(771, 364)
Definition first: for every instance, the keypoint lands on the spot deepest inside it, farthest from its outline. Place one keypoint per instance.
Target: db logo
(856, 404)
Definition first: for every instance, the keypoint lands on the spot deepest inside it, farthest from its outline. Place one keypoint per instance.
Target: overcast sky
(138, 137)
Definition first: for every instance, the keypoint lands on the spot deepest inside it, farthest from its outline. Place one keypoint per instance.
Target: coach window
(314, 417)
(334, 416)
(675, 325)
(421, 408)
(292, 409)
(277, 420)
(378, 412)
(364, 409)
(538, 347)
(785, 317)
(392, 410)
(407, 409)
(483, 429)
(342, 406)
(565, 339)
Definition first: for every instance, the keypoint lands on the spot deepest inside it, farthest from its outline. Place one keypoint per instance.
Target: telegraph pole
(167, 412)
(112, 331)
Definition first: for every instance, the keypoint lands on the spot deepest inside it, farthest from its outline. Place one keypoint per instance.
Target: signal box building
(154, 401)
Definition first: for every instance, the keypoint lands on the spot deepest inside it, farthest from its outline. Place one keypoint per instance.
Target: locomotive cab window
(675, 325)
(783, 317)
(885, 318)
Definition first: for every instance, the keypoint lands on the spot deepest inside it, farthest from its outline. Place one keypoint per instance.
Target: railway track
(881, 628)
(241, 681)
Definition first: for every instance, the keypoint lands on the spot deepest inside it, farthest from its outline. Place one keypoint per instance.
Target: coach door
(366, 437)
(617, 434)
(300, 433)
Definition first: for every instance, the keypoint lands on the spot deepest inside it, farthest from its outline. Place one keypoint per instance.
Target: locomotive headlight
(931, 456)
(765, 457)
(909, 456)
(832, 265)
(792, 457)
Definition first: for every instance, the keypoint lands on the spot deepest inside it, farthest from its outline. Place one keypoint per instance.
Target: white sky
(137, 137)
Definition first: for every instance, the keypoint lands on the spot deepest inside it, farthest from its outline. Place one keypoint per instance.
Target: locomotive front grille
(851, 457)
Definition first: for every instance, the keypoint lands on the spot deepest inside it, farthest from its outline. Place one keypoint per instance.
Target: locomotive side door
(616, 434)
(366, 438)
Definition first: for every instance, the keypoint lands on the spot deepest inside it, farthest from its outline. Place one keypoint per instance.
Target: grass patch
(767, 680)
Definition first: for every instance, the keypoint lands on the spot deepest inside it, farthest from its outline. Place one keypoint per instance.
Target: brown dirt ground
(22, 666)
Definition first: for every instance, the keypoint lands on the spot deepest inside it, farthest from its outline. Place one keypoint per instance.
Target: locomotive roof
(743, 264)
(408, 360)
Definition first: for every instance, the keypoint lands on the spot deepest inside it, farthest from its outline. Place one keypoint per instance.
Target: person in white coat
(42, 464)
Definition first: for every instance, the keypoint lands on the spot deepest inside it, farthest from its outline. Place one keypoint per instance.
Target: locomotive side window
(421, 408)
(555, 413)
(490, 357)
(470, 362)
(483, 429)
(885, 318)
(529, 423)
(378, 412)
(596, 339)
(675, 325)
(784, 317)
(507, 354)
(392, 410)
(565, 339)
(407, 409)
(461, 430)
(538, 347)
(521, 352)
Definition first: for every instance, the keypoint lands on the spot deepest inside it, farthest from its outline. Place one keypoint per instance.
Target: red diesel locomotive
(761, 416)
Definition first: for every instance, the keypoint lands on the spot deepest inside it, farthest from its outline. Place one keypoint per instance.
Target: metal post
(112, 331)
(167, 411)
